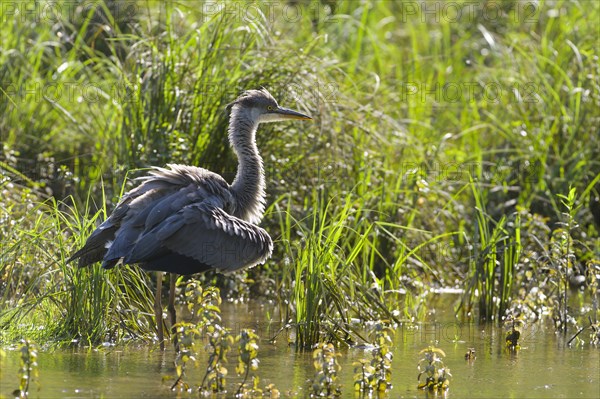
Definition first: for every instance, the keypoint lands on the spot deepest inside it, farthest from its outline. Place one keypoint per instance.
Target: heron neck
(248, 187)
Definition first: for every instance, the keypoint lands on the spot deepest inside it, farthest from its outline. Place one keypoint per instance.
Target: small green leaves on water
(326, 367)
(470, 355)
(364, 376)
(436, 376)
(247, 342)
(203, 304)
(187, 334)
(513, 334)
(28, 370)
(376, 374)
(382, 356)
(220, 341)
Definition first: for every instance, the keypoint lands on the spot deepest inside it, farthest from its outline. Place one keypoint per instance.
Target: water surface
(543, 368)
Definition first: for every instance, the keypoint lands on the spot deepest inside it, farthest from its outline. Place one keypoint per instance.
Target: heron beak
(286, 113)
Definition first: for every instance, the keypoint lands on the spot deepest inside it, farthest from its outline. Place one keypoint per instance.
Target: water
(543, 368)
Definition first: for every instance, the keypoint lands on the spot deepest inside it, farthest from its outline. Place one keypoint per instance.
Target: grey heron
(185, 219)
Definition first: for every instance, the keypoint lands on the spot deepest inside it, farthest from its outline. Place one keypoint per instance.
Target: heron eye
(270, 108)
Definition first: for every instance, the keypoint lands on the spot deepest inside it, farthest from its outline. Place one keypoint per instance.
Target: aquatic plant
(376, 374)
(556, 262)
(595, 333)
(220, 342)
(431, 366)
(496, 252)
(470, 355)
(318, 297)
(382, 356)
(513, 334)
(593, 271)
(271, 392)
(324, 383)
(364, 376)
(187, 335)
(28, 370)
(247, 342)
(329, 267)
(563, 259)
(204, 304)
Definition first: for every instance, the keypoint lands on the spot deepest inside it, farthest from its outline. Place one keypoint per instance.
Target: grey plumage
(185, 219)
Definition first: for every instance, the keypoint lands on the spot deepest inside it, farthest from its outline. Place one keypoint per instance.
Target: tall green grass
(47, 299)
(496, 251)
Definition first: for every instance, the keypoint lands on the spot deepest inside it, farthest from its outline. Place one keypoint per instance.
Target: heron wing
(205, 232)
(162, 193)
(95, 246)
(146, 215)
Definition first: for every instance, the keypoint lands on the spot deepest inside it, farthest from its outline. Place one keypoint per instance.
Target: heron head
(260, 106)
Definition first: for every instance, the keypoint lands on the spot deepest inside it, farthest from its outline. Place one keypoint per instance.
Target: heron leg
(158, 310)
(171, 308)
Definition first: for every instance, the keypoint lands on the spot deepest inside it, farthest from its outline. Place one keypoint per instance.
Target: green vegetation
(513, 335)
(470, 355)
(444, 150)
(431, 367)
(247, 342)
(561, 246)
(200, 304)
(28, 371)
(204, 305)
(324, 383)
(52, 301)
(220, 342)
(376, 375)
(493, 265)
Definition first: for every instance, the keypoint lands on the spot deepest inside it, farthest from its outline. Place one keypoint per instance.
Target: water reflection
(543, 367)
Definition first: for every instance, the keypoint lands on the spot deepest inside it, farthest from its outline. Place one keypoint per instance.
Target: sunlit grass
(60, 303)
